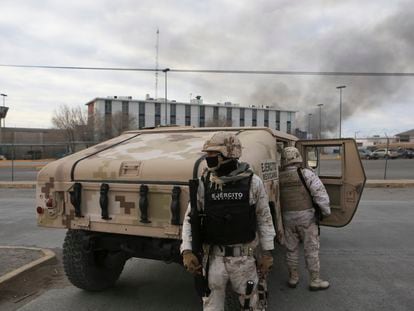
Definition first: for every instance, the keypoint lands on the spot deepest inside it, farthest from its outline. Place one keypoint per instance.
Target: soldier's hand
(265, 263)
(191, 263)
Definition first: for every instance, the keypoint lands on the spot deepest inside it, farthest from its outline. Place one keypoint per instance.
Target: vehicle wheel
(86, 268)
(231, 302)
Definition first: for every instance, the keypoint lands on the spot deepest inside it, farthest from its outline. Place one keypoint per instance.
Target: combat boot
(316, 283)
(293, 277)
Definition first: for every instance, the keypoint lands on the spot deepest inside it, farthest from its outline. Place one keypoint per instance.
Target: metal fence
(21, 162)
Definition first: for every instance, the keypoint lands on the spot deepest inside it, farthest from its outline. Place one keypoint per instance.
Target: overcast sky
(372, 36)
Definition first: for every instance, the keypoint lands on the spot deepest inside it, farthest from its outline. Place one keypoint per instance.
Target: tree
(74, 121)
(220, 122)
(111, 125)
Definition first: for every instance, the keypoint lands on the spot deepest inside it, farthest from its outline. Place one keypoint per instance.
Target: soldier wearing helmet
(237, 223)
(300, 189)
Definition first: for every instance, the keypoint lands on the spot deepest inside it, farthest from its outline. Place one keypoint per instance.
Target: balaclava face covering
(221, 165)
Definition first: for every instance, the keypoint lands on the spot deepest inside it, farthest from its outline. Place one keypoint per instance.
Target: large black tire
(85, 268)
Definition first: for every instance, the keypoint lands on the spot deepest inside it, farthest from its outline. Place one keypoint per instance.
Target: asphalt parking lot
(368, 262)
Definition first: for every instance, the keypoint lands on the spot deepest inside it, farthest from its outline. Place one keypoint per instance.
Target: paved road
(369, 264)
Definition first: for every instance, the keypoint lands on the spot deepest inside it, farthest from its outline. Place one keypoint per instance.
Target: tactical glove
(191, 263)
(265, 263)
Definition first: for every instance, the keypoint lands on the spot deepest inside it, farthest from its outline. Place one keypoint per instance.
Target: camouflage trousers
(303, 229)
(237, 270)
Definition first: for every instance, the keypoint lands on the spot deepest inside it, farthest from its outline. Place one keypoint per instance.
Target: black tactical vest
(229, 217)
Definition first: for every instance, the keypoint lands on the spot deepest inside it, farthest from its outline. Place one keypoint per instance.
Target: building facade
(122, 113)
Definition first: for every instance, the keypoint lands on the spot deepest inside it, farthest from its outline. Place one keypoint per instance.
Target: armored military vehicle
(127, 196)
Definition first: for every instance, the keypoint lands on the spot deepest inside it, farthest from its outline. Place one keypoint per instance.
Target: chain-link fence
(21, 162)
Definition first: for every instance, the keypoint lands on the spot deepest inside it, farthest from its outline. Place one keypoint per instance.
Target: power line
(81, 68)
(227, 71)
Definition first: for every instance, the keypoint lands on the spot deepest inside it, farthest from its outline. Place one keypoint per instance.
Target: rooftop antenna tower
(156, 63)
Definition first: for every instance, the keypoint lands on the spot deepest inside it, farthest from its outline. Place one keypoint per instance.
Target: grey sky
(265, 35)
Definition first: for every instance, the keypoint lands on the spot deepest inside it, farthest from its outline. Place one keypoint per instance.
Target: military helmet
(226, 143)
(290, 155)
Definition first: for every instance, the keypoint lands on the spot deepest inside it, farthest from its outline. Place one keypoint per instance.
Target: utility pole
(165, 71)
(320, 120)
(340, 108)
(309, 125)
(156, 63)
(386, 156)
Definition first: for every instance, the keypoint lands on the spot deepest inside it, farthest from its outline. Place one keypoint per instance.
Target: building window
(229, 116)
(202, 116)
(125, 118)
(289, 123)
(141, 116)
(278, 120)
(266, 118)
(241, 116)
(173, 116)
(157, 118)
(125, 107)
(108, 106)
(254, 117)
(215, 114)
(187, 115)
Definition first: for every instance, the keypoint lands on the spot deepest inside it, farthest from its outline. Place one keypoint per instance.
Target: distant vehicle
(2, 157)
(384, 153)
(405, 153)
(32, 155)
(365, 153)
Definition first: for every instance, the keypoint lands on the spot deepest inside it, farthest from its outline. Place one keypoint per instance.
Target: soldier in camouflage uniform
(237, 221)
(298, 216)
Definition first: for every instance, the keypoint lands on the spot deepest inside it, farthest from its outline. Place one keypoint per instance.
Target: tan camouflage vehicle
(126, 197)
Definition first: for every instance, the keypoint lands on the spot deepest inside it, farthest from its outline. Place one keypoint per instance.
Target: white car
(2, 157)
(382, 153)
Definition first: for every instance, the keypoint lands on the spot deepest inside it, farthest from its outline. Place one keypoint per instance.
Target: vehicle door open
(338, 165)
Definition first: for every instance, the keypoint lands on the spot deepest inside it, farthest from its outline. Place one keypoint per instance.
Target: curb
(17, 184)
(374, 183)
(47, 256)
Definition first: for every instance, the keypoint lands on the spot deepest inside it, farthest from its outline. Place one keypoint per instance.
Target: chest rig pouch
(229, 217)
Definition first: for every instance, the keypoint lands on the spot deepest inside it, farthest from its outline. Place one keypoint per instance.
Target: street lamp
(4, 98)
(320, 120)
(309, 124)
(340, 108)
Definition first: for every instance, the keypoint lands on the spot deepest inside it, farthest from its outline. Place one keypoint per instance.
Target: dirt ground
(27, 286)
(11, 259)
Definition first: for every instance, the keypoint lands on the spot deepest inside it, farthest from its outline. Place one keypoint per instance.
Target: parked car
(405, 153)
(2, 157)
(365, 153)
(33, 155)
(383, 153)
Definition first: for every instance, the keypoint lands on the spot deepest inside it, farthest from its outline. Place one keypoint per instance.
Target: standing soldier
(236, 220)
(301, 190)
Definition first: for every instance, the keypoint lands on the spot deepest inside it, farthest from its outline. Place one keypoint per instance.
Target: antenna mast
(156, 63)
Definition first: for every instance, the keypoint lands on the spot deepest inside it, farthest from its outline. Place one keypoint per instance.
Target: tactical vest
(229, 217)
(293, 194)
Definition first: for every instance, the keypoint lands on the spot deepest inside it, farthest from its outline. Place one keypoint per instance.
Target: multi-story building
(119, 113)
